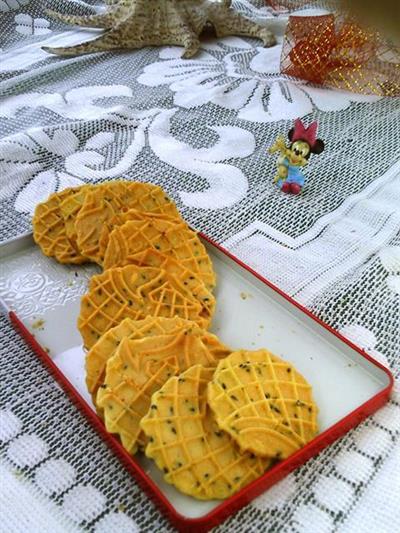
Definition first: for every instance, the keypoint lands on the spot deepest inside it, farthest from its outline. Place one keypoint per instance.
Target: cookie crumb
(245, 295)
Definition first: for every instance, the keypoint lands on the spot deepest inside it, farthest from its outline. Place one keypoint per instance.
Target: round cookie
(196, 456)
(49, 229)
(137, 370)
(106, 346)
(188, 279)
(102, 204)
(264, 403)
(170, 238)
(70, 207)
(132, 214)
(136, 292)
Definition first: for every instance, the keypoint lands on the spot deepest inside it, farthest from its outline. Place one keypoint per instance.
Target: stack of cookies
(73, 225)
(214, 430)
(212, 419)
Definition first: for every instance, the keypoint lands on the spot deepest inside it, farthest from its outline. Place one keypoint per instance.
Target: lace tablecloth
(200, 128)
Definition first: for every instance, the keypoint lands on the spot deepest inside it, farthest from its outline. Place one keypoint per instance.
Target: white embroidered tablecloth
(200, 128)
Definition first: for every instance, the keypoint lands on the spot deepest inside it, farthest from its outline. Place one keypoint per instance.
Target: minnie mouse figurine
(303, 143)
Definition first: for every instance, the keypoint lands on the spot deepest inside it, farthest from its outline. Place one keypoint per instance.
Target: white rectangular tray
(250, 314)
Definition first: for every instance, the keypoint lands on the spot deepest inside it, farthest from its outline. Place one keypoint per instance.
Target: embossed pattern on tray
(31, 283)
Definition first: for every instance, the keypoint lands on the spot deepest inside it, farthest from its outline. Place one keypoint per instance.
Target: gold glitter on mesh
(335, 51)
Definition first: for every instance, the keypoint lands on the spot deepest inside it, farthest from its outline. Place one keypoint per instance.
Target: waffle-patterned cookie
(136, 292)
(169, 238)
(106, 346)
(137, 370)
(196, 456)
(102, 204)
(70, 207)
(188, 279)
(263, 403)
(133, 214)
(49, 229)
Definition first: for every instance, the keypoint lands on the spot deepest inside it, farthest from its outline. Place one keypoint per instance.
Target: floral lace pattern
(245, 80)
(201, 129)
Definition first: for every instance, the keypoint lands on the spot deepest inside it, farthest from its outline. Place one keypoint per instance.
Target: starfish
(133, 24)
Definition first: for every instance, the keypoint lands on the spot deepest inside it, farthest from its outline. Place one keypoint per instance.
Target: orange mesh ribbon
(333, 51)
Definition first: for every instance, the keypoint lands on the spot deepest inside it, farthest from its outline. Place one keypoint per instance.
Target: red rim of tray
(234, 503)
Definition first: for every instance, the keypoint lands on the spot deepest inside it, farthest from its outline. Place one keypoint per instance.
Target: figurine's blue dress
(295, 174)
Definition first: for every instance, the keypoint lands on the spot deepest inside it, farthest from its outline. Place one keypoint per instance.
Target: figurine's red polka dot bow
(300, 132)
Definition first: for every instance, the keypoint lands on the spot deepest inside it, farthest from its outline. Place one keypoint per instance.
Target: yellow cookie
(49, 229)
(137, 370)
(102, 204)
(188, 279)
(169, 238)
(70, 207)
(196, 456)
(263, 403)
(136, 292)
(106, 346)
(133, 214)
